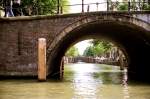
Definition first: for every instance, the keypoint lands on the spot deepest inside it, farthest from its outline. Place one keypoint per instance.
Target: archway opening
(130, 38)
(97, 51)
(96, 58)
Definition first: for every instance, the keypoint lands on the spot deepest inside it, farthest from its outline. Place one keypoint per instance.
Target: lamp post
(58, 6)
(107, 5)
(82, 5)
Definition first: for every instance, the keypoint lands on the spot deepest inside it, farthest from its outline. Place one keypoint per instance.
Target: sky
(82, 46)
(93, 7)
(77, 9)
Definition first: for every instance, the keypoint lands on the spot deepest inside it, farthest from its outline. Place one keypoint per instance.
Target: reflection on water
(81, 81)
(93, 81)
(125, 86)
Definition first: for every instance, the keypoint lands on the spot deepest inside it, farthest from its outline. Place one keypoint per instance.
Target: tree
(134, 5)
(89, 51)
(123, 7)
(73, 51)
(146, 6)
(106, 45)
(42, 7)
(98, 47)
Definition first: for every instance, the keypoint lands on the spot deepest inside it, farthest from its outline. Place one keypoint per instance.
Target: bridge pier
(139, 67)
(139, 74)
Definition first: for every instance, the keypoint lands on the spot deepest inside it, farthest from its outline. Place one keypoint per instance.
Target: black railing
(115, 6)
(102, 6)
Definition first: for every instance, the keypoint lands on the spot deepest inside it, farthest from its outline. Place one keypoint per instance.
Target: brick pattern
(18, 39)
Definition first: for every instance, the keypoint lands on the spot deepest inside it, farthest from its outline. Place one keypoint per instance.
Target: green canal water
(81, 81)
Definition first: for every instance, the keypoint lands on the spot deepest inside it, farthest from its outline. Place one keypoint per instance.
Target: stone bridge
(19, 35)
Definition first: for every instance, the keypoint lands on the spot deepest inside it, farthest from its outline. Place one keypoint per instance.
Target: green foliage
(146, 6)
(43, 7)
(101, 43)
(89, 51)
(64, 7)
(123, 7)
(134, 5)
(98, 47)
(73, 51)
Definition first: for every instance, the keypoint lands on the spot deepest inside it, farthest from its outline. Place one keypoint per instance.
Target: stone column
(41, 59)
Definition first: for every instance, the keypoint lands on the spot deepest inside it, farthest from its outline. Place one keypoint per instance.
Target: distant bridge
(90, 60)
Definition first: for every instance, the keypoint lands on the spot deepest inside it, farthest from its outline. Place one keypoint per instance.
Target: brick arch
(86, 20)
(83, 23)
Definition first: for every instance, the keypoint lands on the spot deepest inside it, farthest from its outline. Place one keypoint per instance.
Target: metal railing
(102, 6)
(113, 6)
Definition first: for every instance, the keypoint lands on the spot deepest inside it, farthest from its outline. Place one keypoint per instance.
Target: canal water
(81, 81)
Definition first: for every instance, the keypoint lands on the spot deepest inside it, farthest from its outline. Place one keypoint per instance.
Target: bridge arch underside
(132, 39)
